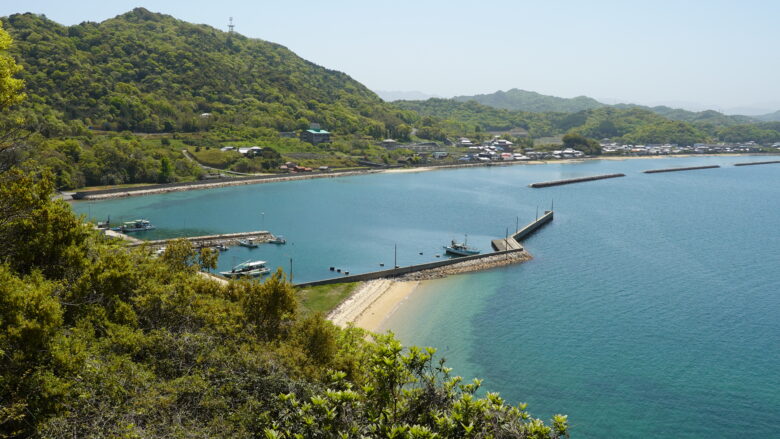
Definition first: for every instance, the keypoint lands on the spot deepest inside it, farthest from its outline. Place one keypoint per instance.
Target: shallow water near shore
(650, 307)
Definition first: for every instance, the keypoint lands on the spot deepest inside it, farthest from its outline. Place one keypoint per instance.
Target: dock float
(574, 180)
(690, 168)
(756, 163)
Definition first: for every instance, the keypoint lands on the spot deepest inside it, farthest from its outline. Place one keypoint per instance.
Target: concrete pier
(690, 168)
(574, 180)
(229, 239)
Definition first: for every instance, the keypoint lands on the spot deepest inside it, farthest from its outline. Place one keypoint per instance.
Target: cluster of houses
(666, 149)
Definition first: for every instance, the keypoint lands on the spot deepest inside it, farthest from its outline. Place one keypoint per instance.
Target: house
(463, 141)
(390, 144)
(315, 136)
(439, 154)
(250, 151)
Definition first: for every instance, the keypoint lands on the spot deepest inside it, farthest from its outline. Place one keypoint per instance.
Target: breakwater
(490, 259)
(512, 253)
(574, 180)
(689, 168)
(756, 163)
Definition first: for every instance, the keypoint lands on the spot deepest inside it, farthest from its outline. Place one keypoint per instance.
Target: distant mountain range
(529, 101)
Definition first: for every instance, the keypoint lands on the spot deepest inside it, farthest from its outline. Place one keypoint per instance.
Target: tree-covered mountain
(771, 117)
(149, 72)
(631, 124)
(530, 101)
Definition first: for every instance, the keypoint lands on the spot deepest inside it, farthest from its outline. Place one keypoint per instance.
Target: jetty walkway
(512, 254)
(228, 239)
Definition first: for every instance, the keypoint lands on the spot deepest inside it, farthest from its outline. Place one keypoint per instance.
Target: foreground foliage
(97, 340)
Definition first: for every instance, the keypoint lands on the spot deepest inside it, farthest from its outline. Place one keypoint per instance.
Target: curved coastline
(178, 187)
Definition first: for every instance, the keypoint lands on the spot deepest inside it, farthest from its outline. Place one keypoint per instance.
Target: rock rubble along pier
(689, 168)
(229, 239)
(574, 180)
(756, 163)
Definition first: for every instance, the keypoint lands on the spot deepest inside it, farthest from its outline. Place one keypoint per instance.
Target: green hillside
(149, 72)
(522, 100)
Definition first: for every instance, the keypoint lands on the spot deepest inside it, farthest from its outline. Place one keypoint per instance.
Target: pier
(574, 180)
(508, 251)
(229, 239)
(512, 242)
(690, 168)
(756, 163)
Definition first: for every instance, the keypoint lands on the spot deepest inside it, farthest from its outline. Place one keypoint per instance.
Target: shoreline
(374, 301)
(190, 187)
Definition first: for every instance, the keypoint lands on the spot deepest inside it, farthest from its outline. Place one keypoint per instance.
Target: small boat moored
(460, 249)
(138, 225)
(247, 269)
(278, 240)
(248, 243)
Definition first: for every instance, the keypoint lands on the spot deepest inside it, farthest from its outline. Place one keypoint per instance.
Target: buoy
(438, 256)
(338, 270)
(332, 268)
(346, 273)
(381, 265)
(420, 252)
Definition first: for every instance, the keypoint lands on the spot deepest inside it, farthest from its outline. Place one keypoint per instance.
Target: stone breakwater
(469, 266)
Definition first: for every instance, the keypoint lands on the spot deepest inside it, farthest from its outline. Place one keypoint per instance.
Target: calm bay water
(651, 308)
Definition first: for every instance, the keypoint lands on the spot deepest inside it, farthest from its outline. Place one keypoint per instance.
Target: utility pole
(395, 255)
(291, 271)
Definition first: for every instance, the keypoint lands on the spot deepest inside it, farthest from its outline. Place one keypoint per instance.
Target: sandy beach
(372, 303)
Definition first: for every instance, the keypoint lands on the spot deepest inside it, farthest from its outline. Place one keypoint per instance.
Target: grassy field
(324, 298)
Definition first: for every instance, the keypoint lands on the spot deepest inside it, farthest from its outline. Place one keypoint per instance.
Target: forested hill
(522, 100)
(149, 72)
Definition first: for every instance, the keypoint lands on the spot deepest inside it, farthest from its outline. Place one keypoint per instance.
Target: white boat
(460, 249)
(278, 240)
(247, 269)
(248, 243)
(138, 225)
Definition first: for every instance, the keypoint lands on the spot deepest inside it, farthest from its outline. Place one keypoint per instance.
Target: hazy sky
(722, 54)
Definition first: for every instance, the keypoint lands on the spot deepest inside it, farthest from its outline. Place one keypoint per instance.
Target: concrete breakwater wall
(534, 226)
(689, 168)
(400, 271)
(463, 264)
(209, 240)
(574, 180)
(756, 163)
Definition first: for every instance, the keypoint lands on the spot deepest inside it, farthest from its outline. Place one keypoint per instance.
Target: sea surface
(651, 307)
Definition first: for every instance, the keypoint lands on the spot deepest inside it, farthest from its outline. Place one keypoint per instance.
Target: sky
(692, 54)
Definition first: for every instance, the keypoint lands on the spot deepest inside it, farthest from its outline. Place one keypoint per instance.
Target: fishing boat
(460, 249)
(221, 247)
(278, 240)
(138, 225)
(248, 243)
(247, 269)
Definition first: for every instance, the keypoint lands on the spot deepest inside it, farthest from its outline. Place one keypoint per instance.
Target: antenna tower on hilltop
(231, 26)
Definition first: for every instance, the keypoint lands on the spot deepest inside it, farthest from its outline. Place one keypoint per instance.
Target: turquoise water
(651, 307)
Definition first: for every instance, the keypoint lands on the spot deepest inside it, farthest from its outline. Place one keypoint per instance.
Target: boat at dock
(460, 249)
(278, 240)
(247, 269)
(138, 225)
(248, 243)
